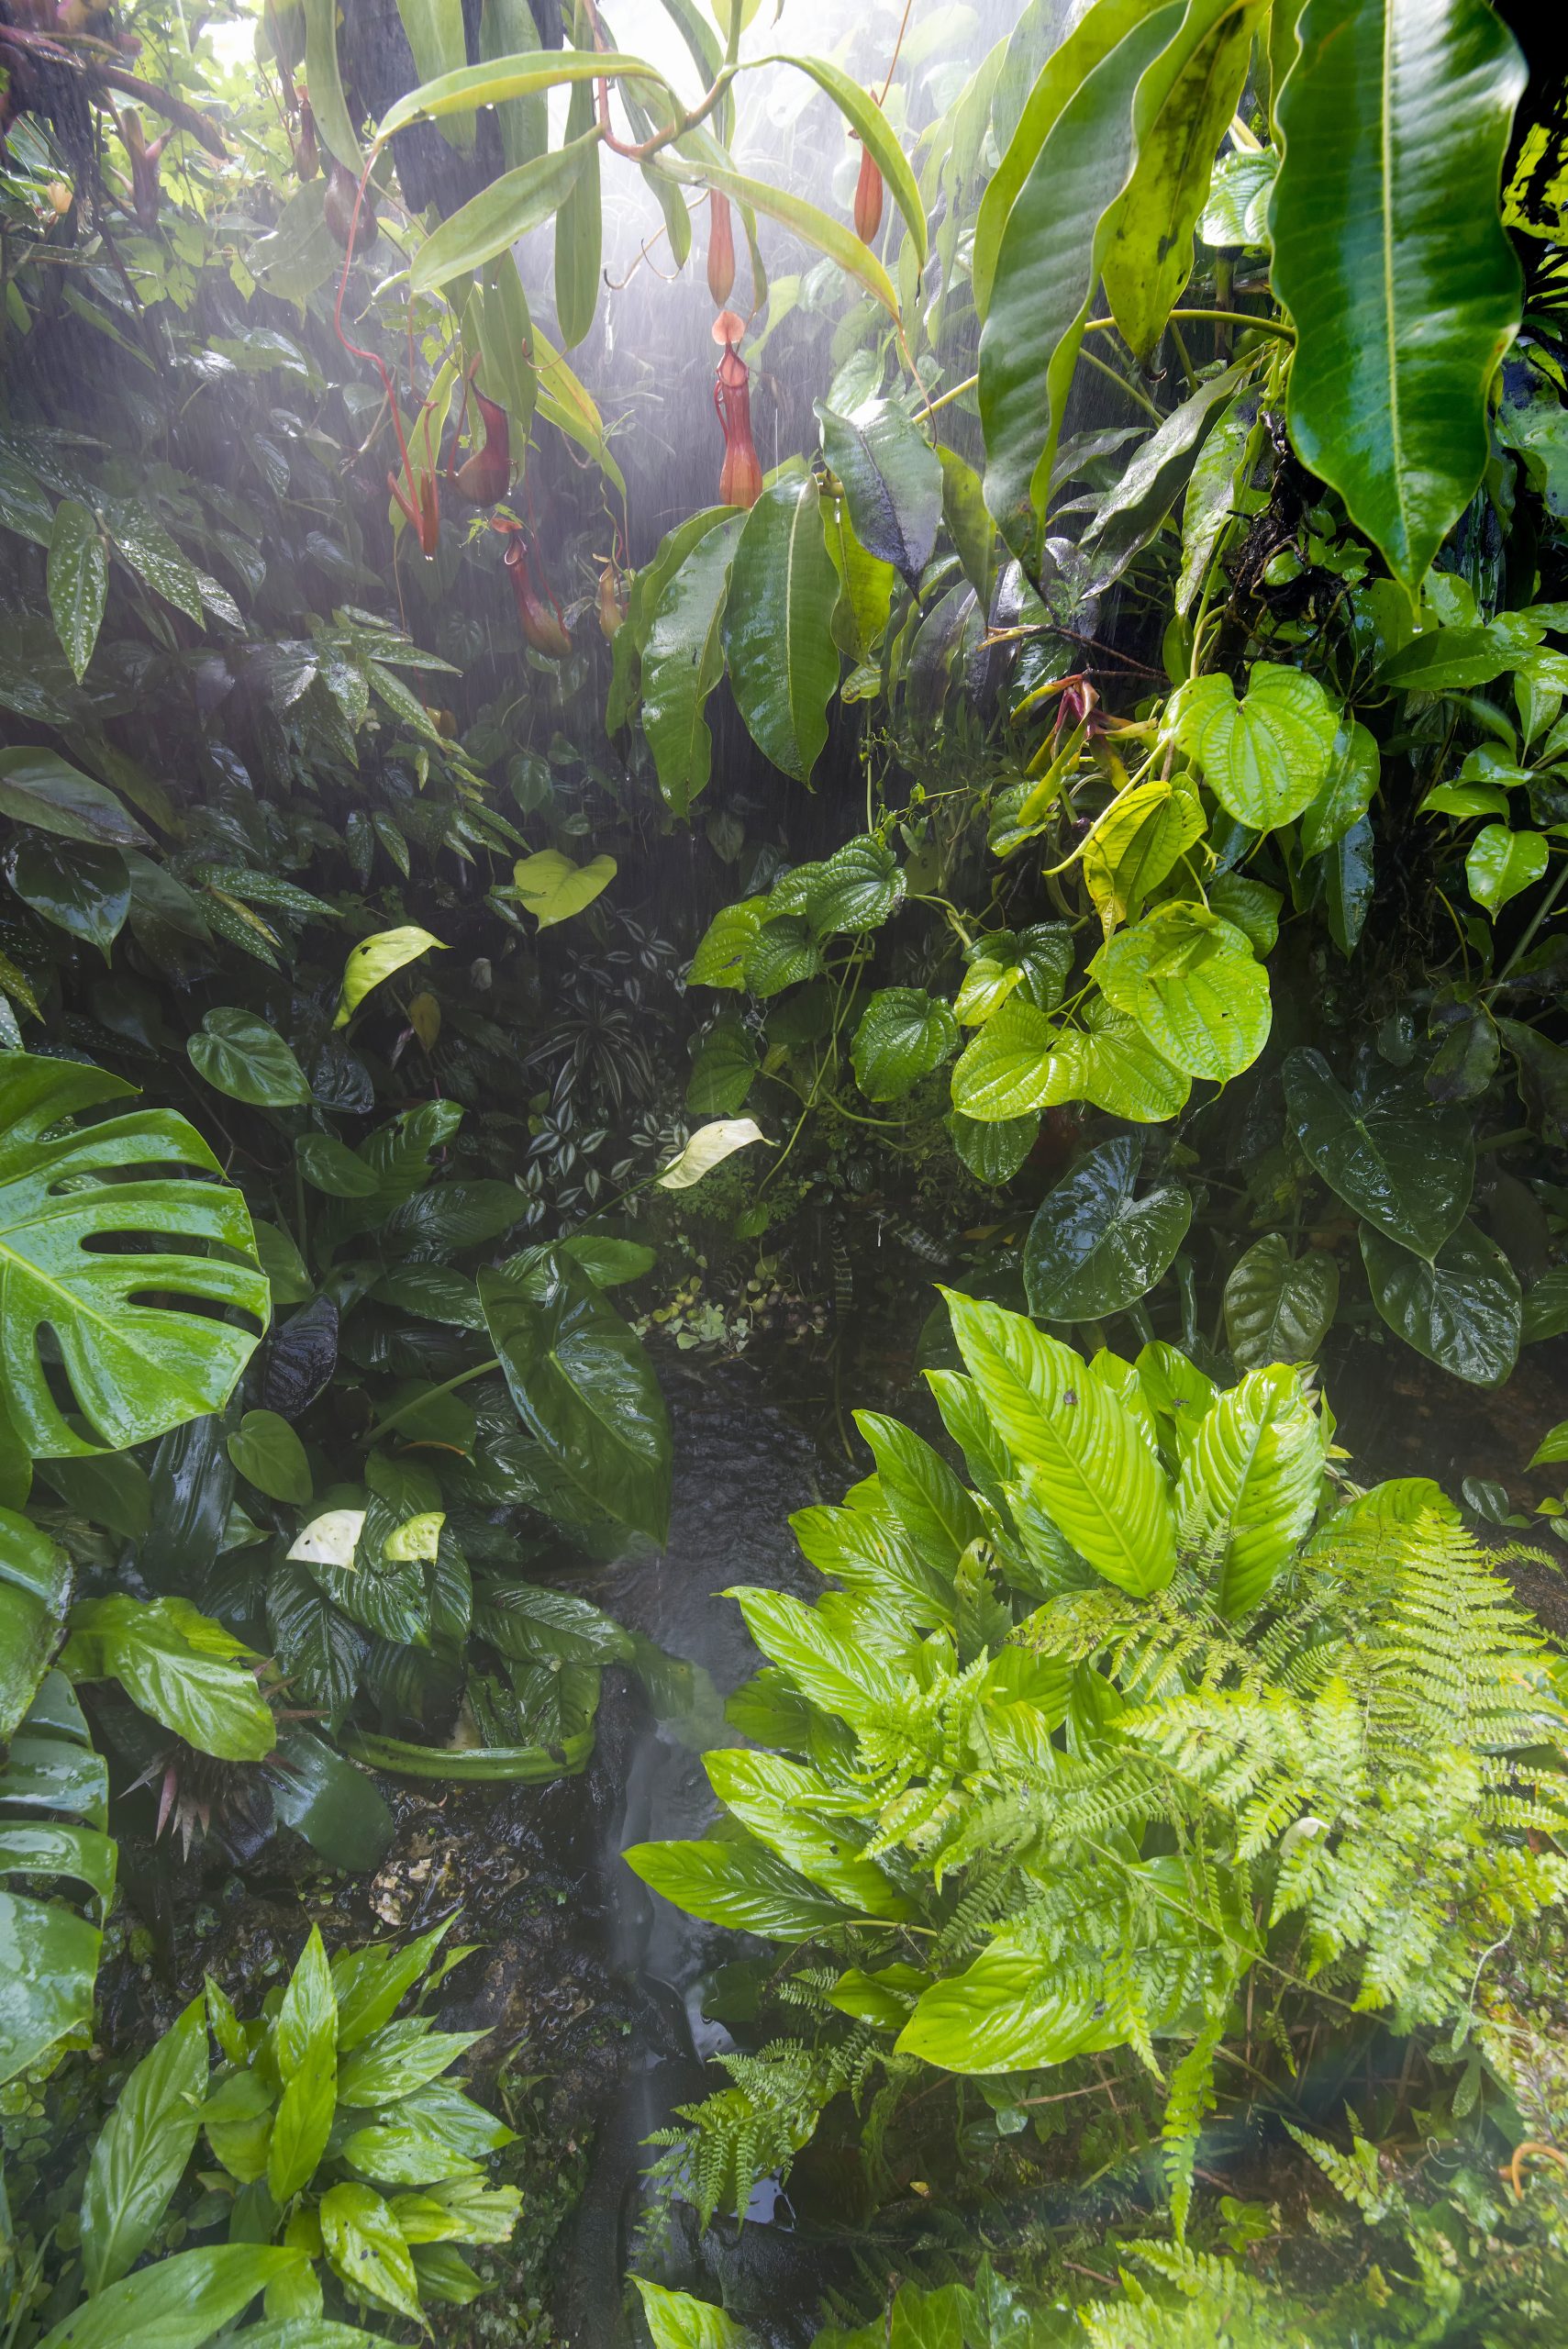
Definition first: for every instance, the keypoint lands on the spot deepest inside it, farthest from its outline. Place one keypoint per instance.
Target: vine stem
(450, 1387)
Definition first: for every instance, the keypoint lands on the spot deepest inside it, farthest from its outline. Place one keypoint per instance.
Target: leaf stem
(448, 1387)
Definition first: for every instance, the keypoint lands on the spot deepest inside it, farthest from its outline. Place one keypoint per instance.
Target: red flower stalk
(485, 476)
(720, 249)
(542, 624)
(740, 475)
(868, 198)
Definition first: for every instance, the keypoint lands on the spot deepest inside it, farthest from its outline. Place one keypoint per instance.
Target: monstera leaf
(54, 1793)
(98, 1247)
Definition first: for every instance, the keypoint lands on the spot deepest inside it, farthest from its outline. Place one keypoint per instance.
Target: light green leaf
(177, 1665)
(554, 888)
(738, 1885)
(579, 227)
(720, 958)
(784, 663)
(856, 890)
(1265, 757)
(35, 1590)
(177, 2303)
(304, 2042)
(142, 2151)
(366, 2250)
(709, 1147)
(1390, 257)
(493, 82)
(1501, 863)
(326, 83)
(1250, 1477)
(490, 223)
(703, 164)
(1194, 985)
(375, 958)
(434, 32)
(771, 1797)
(904, 1034)
(683, 661)
(676, 2320)
(875, 132)
(1345, 797)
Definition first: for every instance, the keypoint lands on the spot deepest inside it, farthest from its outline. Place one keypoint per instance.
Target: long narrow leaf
(866, 116)
(507, 77)
(492, 221)
(328, 102)
(832, 237)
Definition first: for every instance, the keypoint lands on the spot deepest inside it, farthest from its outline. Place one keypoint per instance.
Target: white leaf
(331, 1539)
(707, 1148)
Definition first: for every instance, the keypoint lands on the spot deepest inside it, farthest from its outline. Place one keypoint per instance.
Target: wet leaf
(1092, 1248)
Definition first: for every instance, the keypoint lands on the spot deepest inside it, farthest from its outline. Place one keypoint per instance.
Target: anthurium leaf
(738, 1885)
(1546, 1308)
(856, 890)
(1150, 255)
(39, 788)
(82, 888)
(1050, 255)
(904, 1034)
(1192, 983)
(784, 663)
(178, 1665)
(1391, 259)
(554, 888)
(1460, 1309)
(709, 1147)
(177, 2303)
(377, 958)
(135, 1365)
(265, 1449)
(1266, 756)
(892, 478)
(35, 1590)
(1078, 1448)
(78, 581)
(244, 1057)
(1501, 863)
(140, 2153)
(1094, 1248)
(583, 1387)
(1279, 1307)
(1403, 1163)
(1250, 1481)
(366, 2250)
(683, 661)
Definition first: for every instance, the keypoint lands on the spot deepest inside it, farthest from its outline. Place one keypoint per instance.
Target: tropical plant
(1147, 1738)
(350, 2166)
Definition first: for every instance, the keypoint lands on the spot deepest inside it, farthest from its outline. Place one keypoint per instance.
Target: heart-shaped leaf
(554, 888)
(1279, 1307)
(1403, 1163)
(1501, 863)
(1266, 756)
(1192, 983)
(242, 1056)
(1092, 1248)
(376, 958)
(1460, 1309)
(904, 1034)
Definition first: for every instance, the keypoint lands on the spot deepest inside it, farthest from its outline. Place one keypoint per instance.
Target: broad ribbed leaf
(773, 1799)
(784, 663)
(584, 1386)
(1462, 1309)
(1092, 1248)
(904, 1034)
(683, 661)
(1397, 1157)
(1391, 259)
(1194, 985)
(177, 2303)
(1253, 1472)
(1047, 264)
(1078, 1448)
(142, 2151)
(738, 1885)
(1264, 757)
(136, 1367)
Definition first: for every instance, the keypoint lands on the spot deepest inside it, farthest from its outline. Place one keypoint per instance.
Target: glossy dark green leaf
(856, 889)
(778, 633)
(1390, 257)
(1346, 796)
(1279, 1307)
(892, 479)
(1150, 485)
(1462, 1309)
(178, 1665)
(1399, 1161)
(142, 2151)
(683, 661)
(329, 1165)
(242, 1056)
(585, 1388)
(320, 1651)
(78, 580)
(110, 1488)
(1347, 879)
(339, 1809)
(724, 1071)
(39, 788)
(136, 1366)
(82, 888)
(1092, 1247)
(35, 1590)
(784, 951)
(904, 1034)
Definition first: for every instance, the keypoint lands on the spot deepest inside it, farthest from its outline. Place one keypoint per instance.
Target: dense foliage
(1094, 787)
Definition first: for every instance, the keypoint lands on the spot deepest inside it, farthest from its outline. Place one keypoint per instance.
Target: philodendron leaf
(709, 1147)
(1192, 983)
(242, 1056)
(142, 2151)
(1391, 259)
(1400, 1160)
(137, 1361)
(584, 1386)
(1462, 1309)
(904, 1034)
(1266, 756)
(1501, 863)
(376, 958)
(1092, 1248)
(265, 1449)
(554, 888)
(1279, 1307)
(82, 887)
(778, 624)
